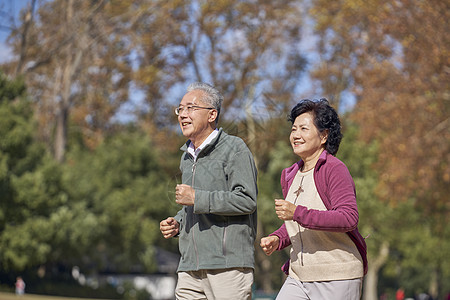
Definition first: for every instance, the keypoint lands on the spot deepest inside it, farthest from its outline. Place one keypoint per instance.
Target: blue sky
(10, 10)
(9, 14)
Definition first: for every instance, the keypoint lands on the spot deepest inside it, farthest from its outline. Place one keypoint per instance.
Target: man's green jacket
(219, 230)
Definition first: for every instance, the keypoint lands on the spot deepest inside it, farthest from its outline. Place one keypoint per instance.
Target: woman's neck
(310, 162)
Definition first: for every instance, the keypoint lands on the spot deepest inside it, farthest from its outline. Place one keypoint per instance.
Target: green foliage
(18, 154)
(22, 229)
(123, 187)
(10, 90)
(99, 210)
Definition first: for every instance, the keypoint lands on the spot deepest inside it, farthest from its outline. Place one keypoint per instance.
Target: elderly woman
(328, 255)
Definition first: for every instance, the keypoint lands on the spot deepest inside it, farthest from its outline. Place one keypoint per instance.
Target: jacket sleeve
(179, 217)
(342, 214)
(240, 199)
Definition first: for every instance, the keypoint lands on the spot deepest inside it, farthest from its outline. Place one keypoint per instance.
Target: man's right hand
(169, 227)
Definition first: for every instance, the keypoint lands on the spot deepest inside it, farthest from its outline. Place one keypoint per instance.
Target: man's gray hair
(211, 95)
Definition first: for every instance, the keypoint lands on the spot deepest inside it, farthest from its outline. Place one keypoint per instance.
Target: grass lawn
(12, 296)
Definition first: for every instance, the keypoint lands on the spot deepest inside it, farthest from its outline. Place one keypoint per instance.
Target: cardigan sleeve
(283, 235)
(337, 190)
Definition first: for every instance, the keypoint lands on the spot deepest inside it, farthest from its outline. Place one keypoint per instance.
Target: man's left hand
(184, 194)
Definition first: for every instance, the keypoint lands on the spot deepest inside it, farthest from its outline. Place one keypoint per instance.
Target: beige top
(318, 255)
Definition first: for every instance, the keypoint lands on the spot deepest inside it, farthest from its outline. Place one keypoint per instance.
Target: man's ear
(212, 116)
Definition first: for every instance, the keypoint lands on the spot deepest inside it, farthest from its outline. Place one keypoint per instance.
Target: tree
(24, 187)
(123, 186)
(76, 67)
(392, 56)
(100, 210)
(376, 227)
(230, 44)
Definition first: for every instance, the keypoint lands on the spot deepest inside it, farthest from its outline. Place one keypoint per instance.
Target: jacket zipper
(224, 249)
(193, 231)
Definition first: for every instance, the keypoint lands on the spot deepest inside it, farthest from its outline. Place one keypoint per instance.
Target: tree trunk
(61, 132)
(371, 279)
(63, 110)
(433, 289)
(74, 53)
(24, 37)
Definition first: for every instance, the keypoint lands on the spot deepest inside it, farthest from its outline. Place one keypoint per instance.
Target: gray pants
(320, 290)
(222, 284)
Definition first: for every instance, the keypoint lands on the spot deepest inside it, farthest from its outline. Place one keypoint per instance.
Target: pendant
(297, 192)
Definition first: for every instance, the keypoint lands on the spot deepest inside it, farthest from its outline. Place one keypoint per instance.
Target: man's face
(195, 124)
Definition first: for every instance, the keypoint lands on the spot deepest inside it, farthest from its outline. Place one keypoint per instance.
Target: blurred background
(89, 143)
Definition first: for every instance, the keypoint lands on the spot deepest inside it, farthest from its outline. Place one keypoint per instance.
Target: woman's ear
(324, 136)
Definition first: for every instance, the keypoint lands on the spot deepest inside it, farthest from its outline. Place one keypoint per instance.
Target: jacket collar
(207, 148)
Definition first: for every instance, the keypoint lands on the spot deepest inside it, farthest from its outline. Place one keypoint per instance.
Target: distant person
(20, 286)
(400, 294)
(217, 223)
(328, 255)
(423, 296)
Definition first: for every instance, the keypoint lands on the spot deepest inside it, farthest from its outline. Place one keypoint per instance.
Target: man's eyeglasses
(189, 109)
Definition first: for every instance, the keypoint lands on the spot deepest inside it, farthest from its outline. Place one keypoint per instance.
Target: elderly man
(217, 223)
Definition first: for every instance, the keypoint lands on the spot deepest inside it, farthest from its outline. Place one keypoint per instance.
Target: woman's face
(305, 138)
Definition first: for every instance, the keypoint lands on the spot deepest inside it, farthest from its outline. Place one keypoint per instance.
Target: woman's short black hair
(325, 118)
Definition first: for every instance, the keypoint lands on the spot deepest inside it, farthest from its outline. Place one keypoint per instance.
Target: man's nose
(183, 112)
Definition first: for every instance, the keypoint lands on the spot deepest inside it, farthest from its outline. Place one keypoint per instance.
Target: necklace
(297, 193)
(304, 169)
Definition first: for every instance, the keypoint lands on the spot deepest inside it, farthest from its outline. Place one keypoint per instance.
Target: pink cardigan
(337, 191)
